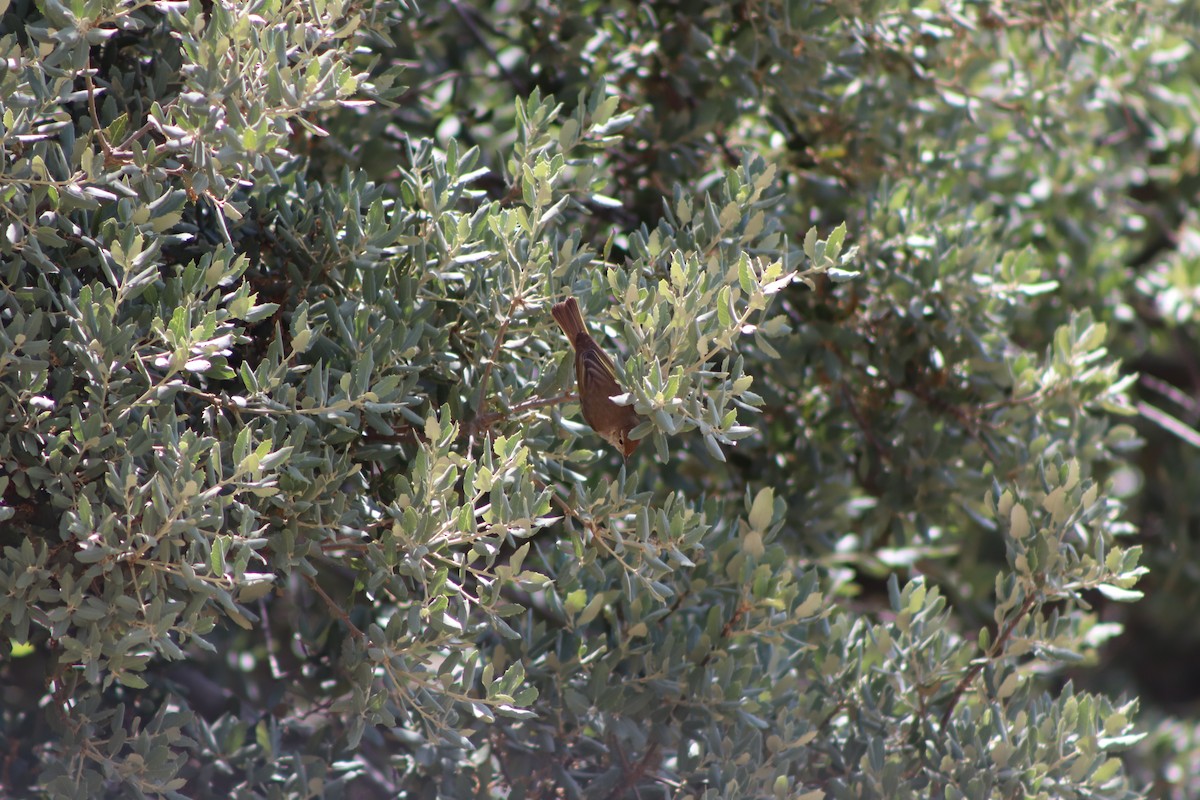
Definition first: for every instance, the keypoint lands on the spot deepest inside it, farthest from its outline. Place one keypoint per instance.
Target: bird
(597, 380)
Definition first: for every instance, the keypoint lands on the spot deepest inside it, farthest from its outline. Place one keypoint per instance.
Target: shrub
(296, 501)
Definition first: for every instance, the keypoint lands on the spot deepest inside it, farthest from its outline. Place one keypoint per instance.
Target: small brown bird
(597, 379)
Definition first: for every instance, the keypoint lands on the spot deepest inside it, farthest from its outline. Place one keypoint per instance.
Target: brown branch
(996, 648)
(500, 334)
(863, 425)
(739, 612)
(477, 35)
(124, 146)
(336, 609)
(630, 778)
(485, 421)
(969, 425)
(91, 96)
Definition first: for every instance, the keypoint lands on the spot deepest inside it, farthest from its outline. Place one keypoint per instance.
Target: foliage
(296, 501)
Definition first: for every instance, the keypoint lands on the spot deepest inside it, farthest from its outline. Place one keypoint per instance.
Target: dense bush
(296, 500)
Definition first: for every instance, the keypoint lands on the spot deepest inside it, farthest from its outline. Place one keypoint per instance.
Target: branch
(487, 367)
(485, 421)
(996, 648)
(630, 778)
(335, 609)
(477, 35)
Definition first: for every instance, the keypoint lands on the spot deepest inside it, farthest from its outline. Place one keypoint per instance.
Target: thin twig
(1172, 393)
(997, 648)
(630, 779)
(91, 94)
(1169, 423)
(864, 426)
(485, 421)
(477, 35)
(487, 368)
(139, 133)
(336, 609)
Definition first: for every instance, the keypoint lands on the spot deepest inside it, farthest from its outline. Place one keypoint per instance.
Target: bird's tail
(567, 315)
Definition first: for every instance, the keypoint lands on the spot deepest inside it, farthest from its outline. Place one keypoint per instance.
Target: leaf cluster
(296, 499)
